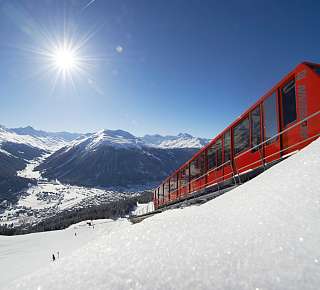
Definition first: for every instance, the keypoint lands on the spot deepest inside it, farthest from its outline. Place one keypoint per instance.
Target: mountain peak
(185, 135)
(117, 133)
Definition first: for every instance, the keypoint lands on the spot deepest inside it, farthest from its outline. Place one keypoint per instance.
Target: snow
(115, 138)
(123, 139)
(265, 234)
(143, 208)
(34, 251)
(29, 172)
(45, 143)
(182, 140)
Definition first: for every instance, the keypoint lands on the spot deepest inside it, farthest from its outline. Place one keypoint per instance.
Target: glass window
(270, 118)
(289, 103)
(173, 183)
(227, 146)
(219, 152)
(241, 136)
(161, 191)
(194, 169)
(255, 127)
(211, 155)
(184, 177)
(166, 188)
(197, 167)
(317, 69)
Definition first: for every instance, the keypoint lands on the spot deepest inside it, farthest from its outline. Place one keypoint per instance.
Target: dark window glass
(202, 161)
(270, 118)
(166, 189)
(173, 183)
(255, 127)
(211, 155)
(194, 169)
(316, 69)
(161, 191)
(241, 136)
(227, 146)
(183, 178)
(197, 167)
(289, 103)
(219, 152)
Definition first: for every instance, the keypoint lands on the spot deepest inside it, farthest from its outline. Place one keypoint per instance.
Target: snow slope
(264, 234)
(34, 251)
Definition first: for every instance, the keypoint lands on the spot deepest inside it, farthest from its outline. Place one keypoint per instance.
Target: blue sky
(182, 66)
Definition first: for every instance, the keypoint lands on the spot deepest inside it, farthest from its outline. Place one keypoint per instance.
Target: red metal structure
(283, 121)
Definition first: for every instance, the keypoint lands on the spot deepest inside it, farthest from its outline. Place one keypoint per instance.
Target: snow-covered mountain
(65, 136)
(114, 138)
(46, 140)
(113, 158)
(32, 161)
(182, 140)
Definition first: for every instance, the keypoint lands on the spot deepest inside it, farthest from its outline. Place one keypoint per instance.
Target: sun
(64, 59)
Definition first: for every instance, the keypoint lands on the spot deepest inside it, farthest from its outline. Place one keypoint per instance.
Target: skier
(53, 257)
(58, 254)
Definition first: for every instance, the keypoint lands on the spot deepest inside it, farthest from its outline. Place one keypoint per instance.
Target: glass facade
(211, 156)
(289, 111)
(219, 152)
(227, 146)
(255, 127)
(173, 183)
(241, 136)
(184, 177)
(270, 118)
(197, 166)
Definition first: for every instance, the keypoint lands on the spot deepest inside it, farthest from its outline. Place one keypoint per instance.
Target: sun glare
(65, 59)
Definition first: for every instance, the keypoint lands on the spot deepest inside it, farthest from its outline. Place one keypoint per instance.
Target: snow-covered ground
(29, 172)
(23, 254)
(143, 208)
(264, 234)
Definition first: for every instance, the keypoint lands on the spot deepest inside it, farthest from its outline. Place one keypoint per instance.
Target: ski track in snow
(265, 234)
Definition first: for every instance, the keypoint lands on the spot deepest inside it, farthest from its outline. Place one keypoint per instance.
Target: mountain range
(106, 158)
